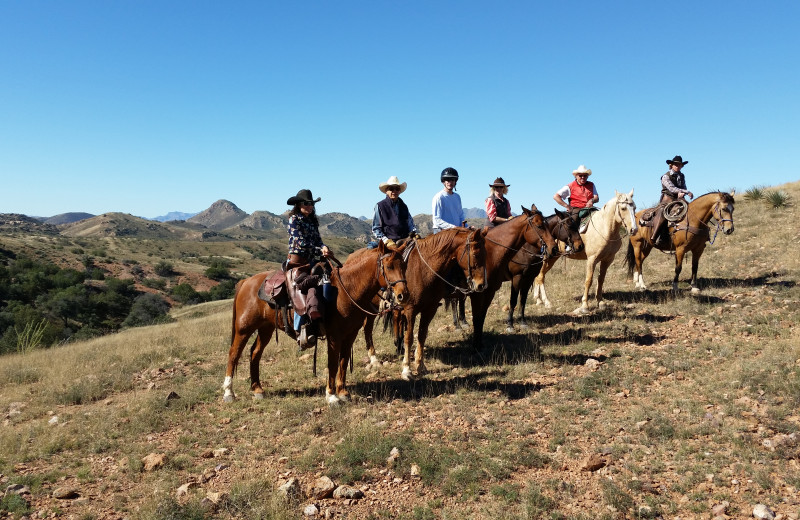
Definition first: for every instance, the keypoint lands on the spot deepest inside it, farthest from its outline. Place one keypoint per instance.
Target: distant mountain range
(222, 220)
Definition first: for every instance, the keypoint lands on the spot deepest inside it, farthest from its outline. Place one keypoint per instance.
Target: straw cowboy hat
(582, 169)
(677, 160)
(393, 181)
(499, 183)
(303, 196)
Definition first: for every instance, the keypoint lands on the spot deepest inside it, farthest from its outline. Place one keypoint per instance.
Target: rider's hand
(326, 252)
(390, 244)
(690, 194)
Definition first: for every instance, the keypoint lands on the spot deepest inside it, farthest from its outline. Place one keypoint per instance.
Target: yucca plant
(776, 199)
(754, 193)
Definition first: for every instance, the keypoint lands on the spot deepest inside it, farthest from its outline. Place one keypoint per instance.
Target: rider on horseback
(673, 188)
(305, 251)
(581, 195)
(392, 221)
(498, 208)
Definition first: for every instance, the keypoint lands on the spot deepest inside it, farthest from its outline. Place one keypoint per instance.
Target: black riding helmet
(448, 173)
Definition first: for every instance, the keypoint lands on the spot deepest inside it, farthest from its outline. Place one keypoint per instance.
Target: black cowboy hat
(303, 196)
(677, 160)
(499, 183)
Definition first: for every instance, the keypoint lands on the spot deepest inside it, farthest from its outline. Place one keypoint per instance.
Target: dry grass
(694, 403)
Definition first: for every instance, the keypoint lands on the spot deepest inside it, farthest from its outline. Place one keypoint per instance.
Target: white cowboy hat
(582, 169)
(393, 181)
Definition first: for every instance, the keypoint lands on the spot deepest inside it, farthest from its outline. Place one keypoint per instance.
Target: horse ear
(616, 193)
(559, 213)
(525, 210)
(631, 193)
(484, 231)
(534, 209)
(733, 192)
(381, 248)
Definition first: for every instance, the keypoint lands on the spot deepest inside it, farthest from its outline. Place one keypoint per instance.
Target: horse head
(626, 211)
(564, 227)
(537, 232)
(723, 212)
(392, 268)
(472, 259)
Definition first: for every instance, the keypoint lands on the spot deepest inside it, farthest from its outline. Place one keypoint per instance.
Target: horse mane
(726, 197)
(441, 239)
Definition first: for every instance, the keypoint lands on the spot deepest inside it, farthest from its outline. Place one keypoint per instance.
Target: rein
(380, 272)
(716, 213)
(467, 246)
(543, 250)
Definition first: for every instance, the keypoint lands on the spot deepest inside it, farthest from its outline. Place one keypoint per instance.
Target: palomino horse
(428, 269)
(502, 243)
(526, 264)
(356, 284)
(601, 242)
(688, 235)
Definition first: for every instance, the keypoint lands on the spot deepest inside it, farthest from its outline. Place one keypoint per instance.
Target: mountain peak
(220, 215)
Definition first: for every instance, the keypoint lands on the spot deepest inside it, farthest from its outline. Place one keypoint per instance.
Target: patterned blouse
(304, 238)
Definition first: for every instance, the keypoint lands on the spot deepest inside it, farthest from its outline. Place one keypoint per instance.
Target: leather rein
(542, 252)
(465, 251)
(380, 272)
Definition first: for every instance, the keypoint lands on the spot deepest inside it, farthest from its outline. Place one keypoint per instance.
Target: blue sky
(147, 107)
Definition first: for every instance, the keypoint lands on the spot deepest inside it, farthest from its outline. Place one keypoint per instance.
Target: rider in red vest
(580, 194)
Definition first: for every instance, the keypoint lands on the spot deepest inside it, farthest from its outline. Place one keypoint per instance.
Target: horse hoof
(406, 375)
(227, 398)
(332, 400)
(580, 311)
(258, 396)
(421, 370)
(344, 398)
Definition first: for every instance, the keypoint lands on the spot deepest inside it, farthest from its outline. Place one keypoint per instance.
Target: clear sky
(147, 107)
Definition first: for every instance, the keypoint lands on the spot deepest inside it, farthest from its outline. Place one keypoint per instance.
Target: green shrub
(776, 199)
(147, 309)
(163, 268)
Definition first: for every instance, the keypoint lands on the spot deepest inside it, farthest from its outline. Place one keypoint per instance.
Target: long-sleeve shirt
(377, 222)
(674, 184)
(447, 211)
(491, 209)
(304, 239)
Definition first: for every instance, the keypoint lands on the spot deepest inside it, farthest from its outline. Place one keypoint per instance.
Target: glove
(413, 234)
(390, 244)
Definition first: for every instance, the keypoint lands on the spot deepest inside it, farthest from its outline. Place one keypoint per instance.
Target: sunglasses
(308, 203)
(393, 188)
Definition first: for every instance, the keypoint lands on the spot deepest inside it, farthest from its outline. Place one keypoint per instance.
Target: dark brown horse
(689, 235)
(356, 283)
(503, 242)
(428, 274)
(526, 264)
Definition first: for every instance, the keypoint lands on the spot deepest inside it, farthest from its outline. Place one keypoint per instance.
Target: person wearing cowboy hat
(392, 221)
(673, 187)
(305, 250)
(581, 194)
(498, 208)
(446, 210)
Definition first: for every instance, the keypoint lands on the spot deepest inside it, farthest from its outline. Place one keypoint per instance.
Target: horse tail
(630, 260)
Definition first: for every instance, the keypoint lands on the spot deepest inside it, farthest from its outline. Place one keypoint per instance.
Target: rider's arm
(666, 182)
(436, 217)
(561, 195)
(377, 224)
(491, 211)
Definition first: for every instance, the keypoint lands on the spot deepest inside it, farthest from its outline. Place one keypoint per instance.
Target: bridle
(619, 215)
(716, 213)
(466, 251)
(543, 250)
(380, 271)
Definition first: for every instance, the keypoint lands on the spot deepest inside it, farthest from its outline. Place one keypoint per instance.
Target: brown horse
(356, 283)
(689, 235)
(526, 264)
(601, 242)
(428, 275)
(503, 242)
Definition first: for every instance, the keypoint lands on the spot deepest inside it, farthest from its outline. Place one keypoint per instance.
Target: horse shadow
(764, 280)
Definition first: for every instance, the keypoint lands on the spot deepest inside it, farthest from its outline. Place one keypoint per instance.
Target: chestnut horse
(503, 242)
(356, 283)
(601, 242)
(429, 279)
(525, 265)
(689, 235)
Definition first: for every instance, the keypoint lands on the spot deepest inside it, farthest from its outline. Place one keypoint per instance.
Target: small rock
(290, 490)
(53, 420)
(219, 452)
(65, 493)
(310, 510)
(720, 509)
(415, 470)
(207, 475)
(184, 489)
(348, 492)
(594, 462)
(593, 364)
(207, 454)
(321, 488)
(393, 456)
(153, 461)
(763, 512)
(18, 489)
(216, 497)
(645, 512)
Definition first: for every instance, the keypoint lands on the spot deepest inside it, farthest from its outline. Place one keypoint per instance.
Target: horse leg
(679, 252)
(480, 303)
(345, 352)
(601, 278)
(587, 284)
(237, 346)
(538, 285)
(264, 334)
(405, 373)
(452, 302)
(512, 304)
(695, 263)
(525, 286)
(369, 326)
(425, 318)
(462, 312)
(640, 252)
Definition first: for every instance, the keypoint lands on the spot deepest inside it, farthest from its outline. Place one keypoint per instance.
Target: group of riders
(392, 224)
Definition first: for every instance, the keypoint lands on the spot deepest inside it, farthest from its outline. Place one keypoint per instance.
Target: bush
(754, 193)
(776, 199)
(185, 293)
(147, 309)
(163, 268)
(218, 271)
